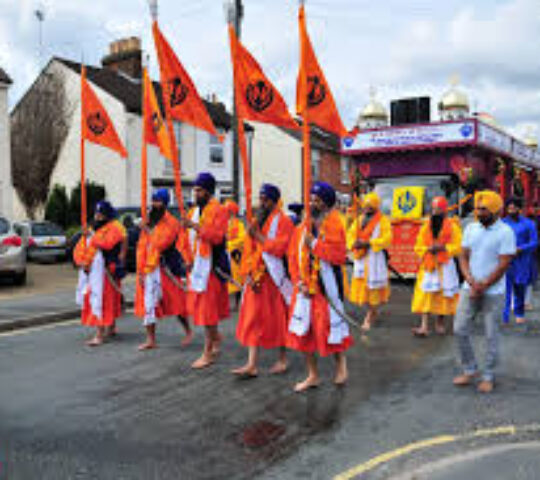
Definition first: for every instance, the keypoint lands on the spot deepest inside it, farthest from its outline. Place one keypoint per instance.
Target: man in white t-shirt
(488, 248)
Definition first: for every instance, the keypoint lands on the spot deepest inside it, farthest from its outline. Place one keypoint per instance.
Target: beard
(201, 202)
(316, 213)
(156, 214)
(436, 224)
(514, 216)
(487, 220)
(97, 224)
(367, 218)
(262, 216)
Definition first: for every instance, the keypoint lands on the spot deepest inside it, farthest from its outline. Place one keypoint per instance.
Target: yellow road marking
(25, 331)
(429, 443)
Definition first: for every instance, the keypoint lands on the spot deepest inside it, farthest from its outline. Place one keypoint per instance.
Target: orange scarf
(206, 218)
(310, 267)
(252, 261)
(431, 261)
(365, 234)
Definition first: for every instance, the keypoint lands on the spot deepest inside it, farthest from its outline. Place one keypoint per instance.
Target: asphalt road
(69, 412)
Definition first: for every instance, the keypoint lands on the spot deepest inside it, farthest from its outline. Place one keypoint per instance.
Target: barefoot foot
(247, 371)
(310, 382)
(147, 346)
(95, 342)
(187, 339)
(281, 366)
(204, 361)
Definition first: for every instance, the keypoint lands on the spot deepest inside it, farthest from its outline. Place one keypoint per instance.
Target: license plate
(51, 243)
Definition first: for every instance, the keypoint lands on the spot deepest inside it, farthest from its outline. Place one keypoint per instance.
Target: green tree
(94, 194)
(57, 208)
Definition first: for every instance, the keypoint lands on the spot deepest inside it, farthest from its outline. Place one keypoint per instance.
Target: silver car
(46, 241)
(12, 253)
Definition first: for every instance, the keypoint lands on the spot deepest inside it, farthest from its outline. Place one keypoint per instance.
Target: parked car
(12, 253)
(46, 241)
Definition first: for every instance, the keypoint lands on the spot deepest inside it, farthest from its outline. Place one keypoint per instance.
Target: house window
(345, 170)
(216, 149)
(315, 165)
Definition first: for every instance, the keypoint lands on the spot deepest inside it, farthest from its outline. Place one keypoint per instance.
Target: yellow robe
(359, 291)
(236, 235)
(435, 303)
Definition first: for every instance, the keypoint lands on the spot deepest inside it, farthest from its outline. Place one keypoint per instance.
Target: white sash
(339, 329)
(275, 266)
(92, 283)
(377, 275)
(301, 317)
(443, 279)
(153, 293)
(200, 274)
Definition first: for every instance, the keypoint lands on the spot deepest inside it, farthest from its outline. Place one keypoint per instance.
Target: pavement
(48, 297)
(72, 412)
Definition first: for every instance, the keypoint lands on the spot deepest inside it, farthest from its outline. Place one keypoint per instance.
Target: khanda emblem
(259, 95)
(178, 92)
(316, 91)
(157, 123)
(407, 202)
(97, 123)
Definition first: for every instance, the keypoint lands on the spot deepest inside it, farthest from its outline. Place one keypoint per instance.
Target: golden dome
(530, 140)
(454, 98)
(374, 110)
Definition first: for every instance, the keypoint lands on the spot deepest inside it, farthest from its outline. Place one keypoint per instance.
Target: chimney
(125, 55)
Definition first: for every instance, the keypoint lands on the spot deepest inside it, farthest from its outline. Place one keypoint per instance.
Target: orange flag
(155, 128)
(97, 126)
(256, 98)
(182, 102)
(314, 92)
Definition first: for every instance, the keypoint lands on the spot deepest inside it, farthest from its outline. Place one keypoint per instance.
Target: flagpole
(144, 159)
(305, 124)
(242, 144)
(84, 219)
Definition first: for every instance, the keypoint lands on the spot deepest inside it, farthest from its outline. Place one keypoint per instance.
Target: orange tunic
(149, 250)
(106, 238)
(208, 308)
(330, 247)
(264, 313)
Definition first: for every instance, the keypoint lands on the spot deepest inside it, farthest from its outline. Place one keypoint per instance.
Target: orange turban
(489, 199)
(440, 202)
(371, 200)
(232, 207)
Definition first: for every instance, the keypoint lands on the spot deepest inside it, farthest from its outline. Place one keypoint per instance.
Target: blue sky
(402, 48)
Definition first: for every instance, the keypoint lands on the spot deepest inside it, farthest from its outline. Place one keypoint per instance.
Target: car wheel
(20, 278)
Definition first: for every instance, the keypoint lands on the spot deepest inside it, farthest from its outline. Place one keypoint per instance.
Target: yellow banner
(408, 202)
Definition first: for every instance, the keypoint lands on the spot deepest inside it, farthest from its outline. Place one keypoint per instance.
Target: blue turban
(270, 191)
(106, 209)
(325, 192)
(206, 181)
(162, 195)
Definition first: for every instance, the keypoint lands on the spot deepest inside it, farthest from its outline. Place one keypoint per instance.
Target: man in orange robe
(317, 253)
(160, 268)
(100, 255)
(268, 291)
(210, 269)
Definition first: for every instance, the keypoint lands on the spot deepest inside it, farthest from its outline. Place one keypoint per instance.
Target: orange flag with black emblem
(156, 132)
(313, 95)
(256, 97)
(97, 126)
(182, 101)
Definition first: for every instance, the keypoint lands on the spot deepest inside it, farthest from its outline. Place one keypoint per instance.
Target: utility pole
(40, 17)
(235, 14)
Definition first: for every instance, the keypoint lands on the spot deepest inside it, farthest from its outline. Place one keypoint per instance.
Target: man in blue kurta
(521, 272)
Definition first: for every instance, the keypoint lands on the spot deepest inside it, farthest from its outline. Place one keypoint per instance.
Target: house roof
(127, 90)
(4, 77)
(319, 138)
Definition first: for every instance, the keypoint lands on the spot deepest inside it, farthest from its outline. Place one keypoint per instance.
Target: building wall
(330, 172)
(6, 189)
(122, 177)
(277, 158)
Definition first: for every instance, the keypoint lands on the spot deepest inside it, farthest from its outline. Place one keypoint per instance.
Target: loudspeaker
(410, 110)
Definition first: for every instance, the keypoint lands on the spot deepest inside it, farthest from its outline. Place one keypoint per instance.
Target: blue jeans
(519, 291)
(489, 307)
